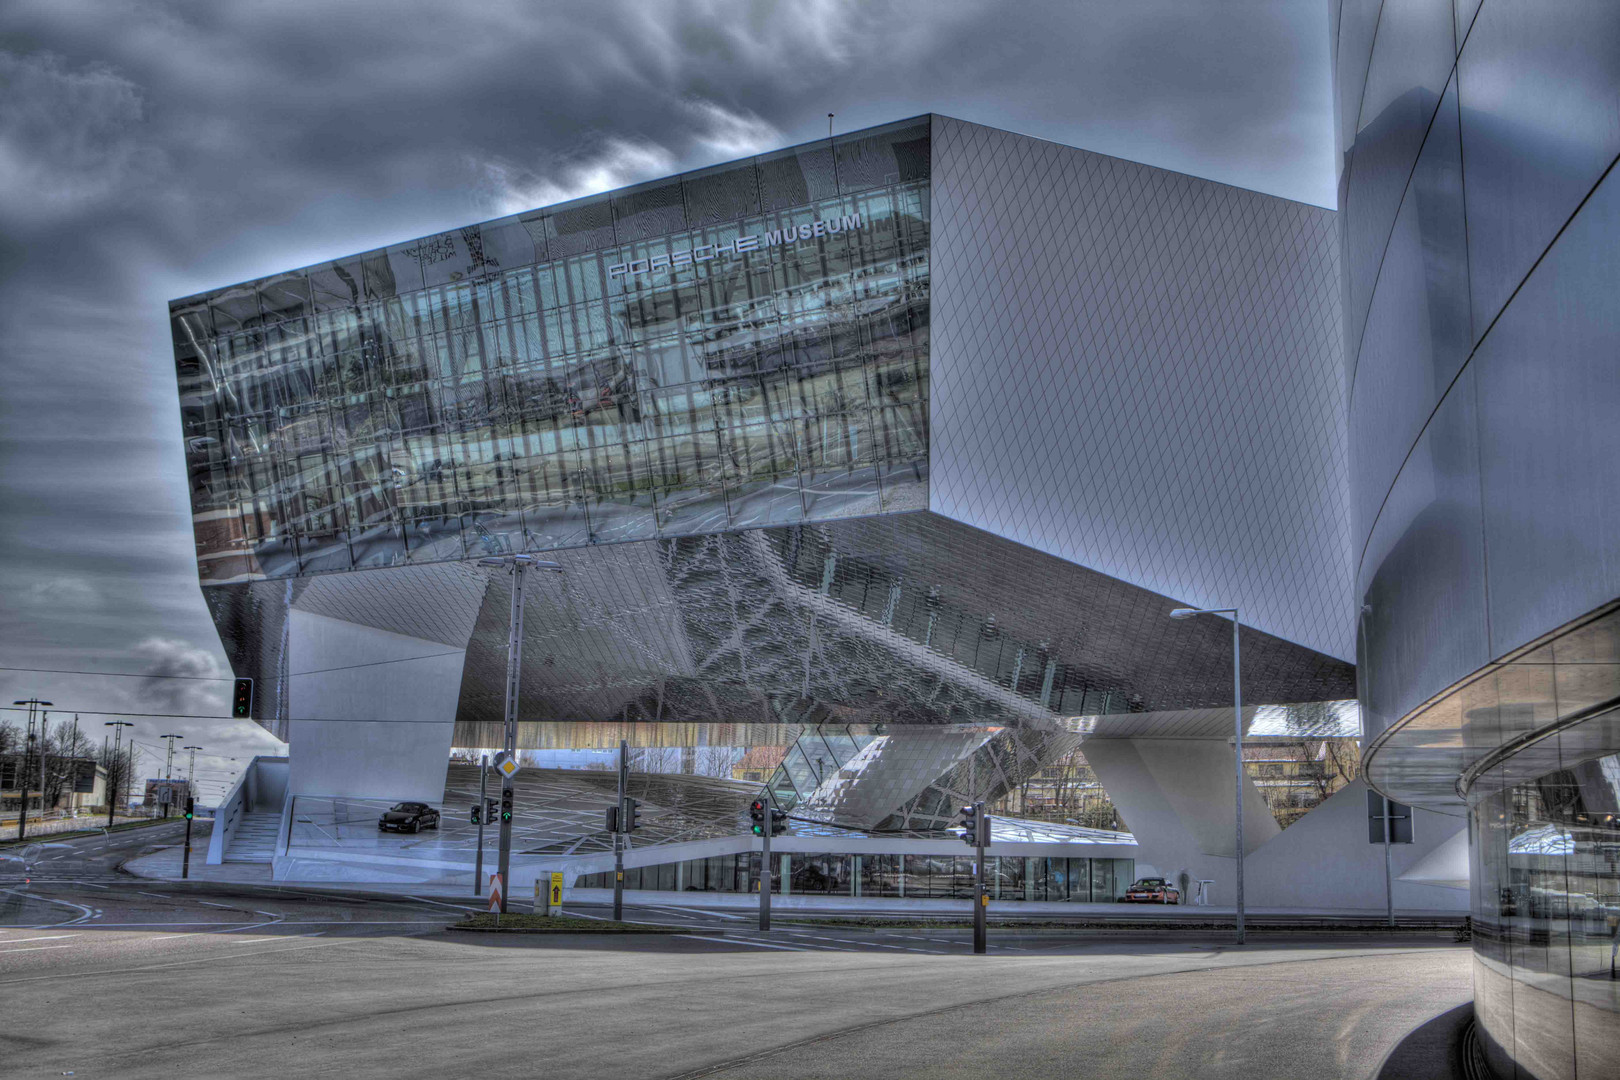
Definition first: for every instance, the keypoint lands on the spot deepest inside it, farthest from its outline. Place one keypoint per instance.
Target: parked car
(1152, 890)
(409, 817)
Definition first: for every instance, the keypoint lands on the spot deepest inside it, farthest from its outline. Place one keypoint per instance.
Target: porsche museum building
(889, 453)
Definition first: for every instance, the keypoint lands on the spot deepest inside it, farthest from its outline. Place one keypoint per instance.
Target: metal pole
(483, 812)
(980, 838)
(185, 859)
(44, 727)
(168, 775)
(1389, 877)
(514, 664)
(765, 867)
(116, 778)
(22, 774)
(1237, 727)
(618, 832)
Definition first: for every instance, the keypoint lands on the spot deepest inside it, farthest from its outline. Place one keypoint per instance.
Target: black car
(409, 817)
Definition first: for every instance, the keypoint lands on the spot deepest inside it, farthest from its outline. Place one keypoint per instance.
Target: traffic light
(757, 811)
(632, 816)
(506, 805)
(970, 826)
(191, 808)
(477, 815)
(611, 819)
(242, 699)
(778, 821)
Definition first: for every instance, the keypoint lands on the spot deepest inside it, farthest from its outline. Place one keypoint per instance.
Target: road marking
(272, 914)
(692, 911)
(244, 925)
(160, 896)
(440, 903)
(46, 937)
(745, 941)
(84, 912)
(92, 884)
(227, 907)
(34, 948)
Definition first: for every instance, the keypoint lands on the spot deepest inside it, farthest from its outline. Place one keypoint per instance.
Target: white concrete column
(372, 713)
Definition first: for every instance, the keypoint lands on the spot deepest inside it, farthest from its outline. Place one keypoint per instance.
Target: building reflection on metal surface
(523, 384)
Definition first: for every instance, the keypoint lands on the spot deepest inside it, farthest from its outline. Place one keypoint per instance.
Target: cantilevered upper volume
(737, 347)
(1066, 389)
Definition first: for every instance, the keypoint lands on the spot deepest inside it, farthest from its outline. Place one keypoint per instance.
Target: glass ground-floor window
(821, 875)
(1546, 912)
(917, 877)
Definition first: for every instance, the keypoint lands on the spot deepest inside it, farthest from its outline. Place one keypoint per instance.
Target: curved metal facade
(1479, 211)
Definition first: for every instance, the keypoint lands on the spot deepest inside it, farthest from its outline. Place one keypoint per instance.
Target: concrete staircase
(255, 839)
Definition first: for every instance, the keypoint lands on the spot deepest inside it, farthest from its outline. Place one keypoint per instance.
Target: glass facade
(741, 346)
(927, 877)
(1547, 920)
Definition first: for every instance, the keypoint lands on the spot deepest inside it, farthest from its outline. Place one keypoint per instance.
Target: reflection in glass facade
(1547, 920)
(741, 346)
(917, 877)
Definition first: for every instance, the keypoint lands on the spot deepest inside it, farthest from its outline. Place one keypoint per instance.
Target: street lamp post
(191, 774)
(514, 665)
(1237, 742)
(116, 779)
(22, 776)
(167, 796)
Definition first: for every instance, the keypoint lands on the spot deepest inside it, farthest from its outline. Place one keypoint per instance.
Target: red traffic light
(757, 807)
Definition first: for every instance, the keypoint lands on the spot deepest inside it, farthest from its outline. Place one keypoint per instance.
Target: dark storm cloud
(153, 150)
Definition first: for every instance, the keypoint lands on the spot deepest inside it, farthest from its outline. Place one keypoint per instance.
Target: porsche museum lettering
(742, 245)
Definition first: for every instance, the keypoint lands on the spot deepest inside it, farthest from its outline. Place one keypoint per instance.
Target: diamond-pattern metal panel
(435, 603)
(1139, 371)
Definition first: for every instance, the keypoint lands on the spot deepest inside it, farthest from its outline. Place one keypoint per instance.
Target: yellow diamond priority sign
(507, 764)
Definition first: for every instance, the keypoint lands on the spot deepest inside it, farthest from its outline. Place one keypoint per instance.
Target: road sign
(494, 892)
(556, 890)
(507, 764)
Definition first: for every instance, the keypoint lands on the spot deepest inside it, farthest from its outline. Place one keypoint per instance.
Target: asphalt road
(102, 975)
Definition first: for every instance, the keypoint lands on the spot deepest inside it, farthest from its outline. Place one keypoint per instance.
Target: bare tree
(67, 752)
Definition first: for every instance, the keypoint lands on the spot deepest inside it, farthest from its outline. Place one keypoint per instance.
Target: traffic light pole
(619, 824)
(185, 860)
(980, 897)
(514, 664)
(765, 876)
(483, 812)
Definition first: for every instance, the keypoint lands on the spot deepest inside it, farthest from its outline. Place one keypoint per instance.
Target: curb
(574, 930)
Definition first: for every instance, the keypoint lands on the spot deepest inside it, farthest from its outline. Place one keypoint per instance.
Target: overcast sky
(153, 150)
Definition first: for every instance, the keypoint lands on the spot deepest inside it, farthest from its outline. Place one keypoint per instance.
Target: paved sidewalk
(38, 830)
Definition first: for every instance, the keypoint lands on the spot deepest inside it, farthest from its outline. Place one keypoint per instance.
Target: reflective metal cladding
(1480, 207)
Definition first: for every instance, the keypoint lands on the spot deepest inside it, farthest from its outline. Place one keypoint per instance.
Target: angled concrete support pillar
(372, 712)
